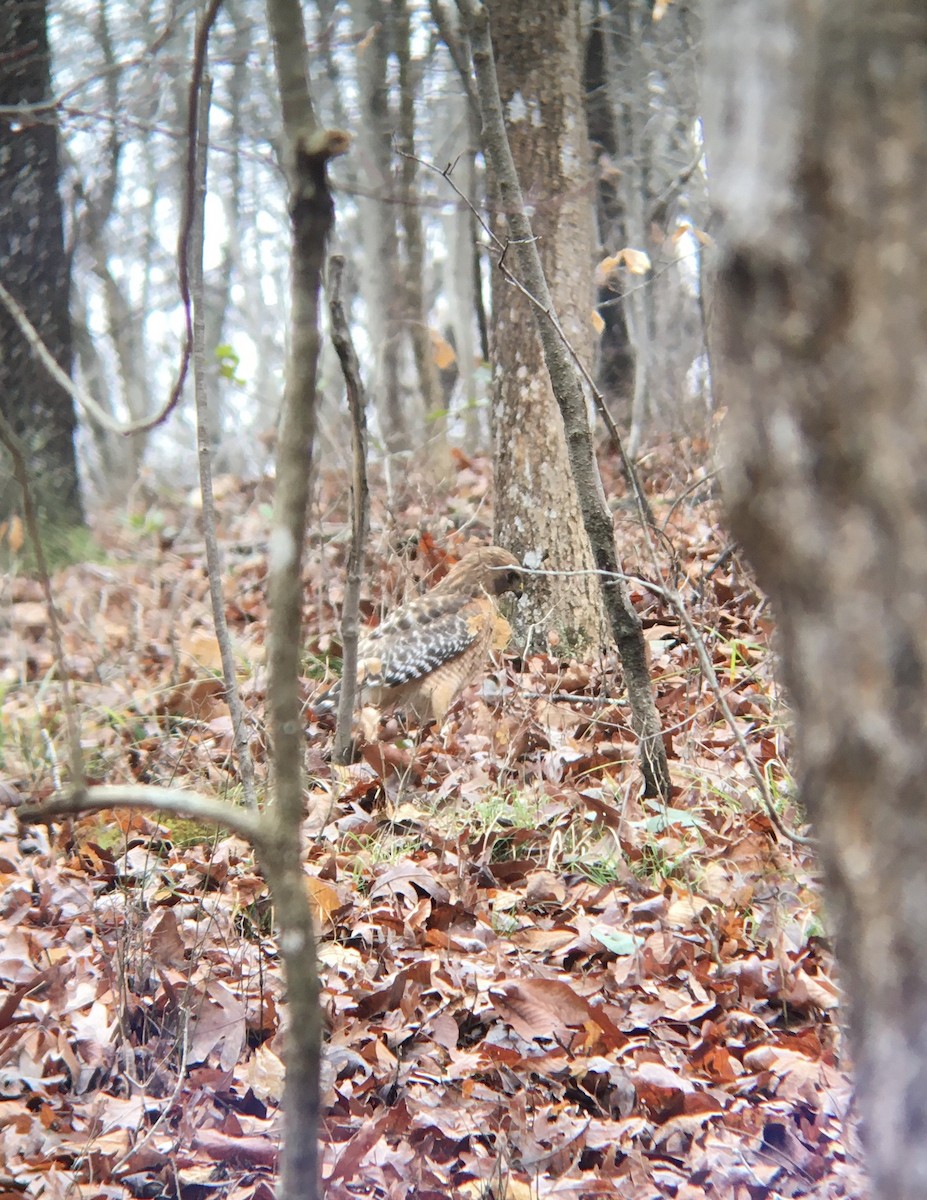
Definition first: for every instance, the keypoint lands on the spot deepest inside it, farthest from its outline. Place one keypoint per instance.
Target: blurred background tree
(35, 268)
(397, 77)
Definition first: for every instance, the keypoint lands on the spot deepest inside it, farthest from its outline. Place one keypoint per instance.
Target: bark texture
(36, 271)
(309, 148)
(565, 378)
(816, 129)
(539, 68)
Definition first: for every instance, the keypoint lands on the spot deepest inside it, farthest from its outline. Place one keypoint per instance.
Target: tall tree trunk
(615, 370)
(415, 316)
(539, 67)
(627, 78)
(36, 272)
(651, 187)
(816, 130)
(380, 275)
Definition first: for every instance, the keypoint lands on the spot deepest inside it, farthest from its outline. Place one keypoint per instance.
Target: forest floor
(536, 983)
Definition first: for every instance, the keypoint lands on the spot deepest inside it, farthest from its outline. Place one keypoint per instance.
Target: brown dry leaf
(15, 533)
(29, 618)
(198, 699)
(605, 268)
(164, 940)
(803, 990)
(444, 1030)
(799, 1077)
(550, 1008)
(237, 1151)
(443, 352)
(364, 1141)
(323, 900)
(265, 1074)
(217, 1021)
(637, 261)
(686, 911)
(202, 647)
(544, 887)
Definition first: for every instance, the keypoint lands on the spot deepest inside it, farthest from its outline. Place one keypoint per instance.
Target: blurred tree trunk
(229, 453)
(816, 131)
(644, 111)
(626, 74)
(615, 373)
(118, 457)
(415, 303)
(36, 271)
(537, 514)
(456, 125)
(379, 270)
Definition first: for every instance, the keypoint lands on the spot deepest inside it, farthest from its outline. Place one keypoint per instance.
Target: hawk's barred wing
(423, 636)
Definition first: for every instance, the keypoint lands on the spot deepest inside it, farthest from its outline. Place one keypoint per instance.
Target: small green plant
(504, 923)
(656, 865)
(505, 810)
(664, 816)
(601, 872)
(781, 785)
(317, 668)
(152, 521)
(229, 362)
(63, 545)
(369, 852)
(185, 832)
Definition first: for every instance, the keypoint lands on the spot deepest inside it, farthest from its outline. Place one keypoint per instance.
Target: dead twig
(204, 455)
(360, 505)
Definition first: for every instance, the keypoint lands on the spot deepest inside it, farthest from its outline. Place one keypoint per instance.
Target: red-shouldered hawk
(424, 654)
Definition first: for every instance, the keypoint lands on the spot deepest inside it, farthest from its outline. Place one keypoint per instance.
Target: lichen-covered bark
(566, 382)
(816, 131)
(539, 68)
(36, 271)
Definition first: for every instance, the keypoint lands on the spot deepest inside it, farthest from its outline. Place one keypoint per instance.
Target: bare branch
(246, 824)
(357, 404)
(204, 457)
(628, 469)
(45, 356)
(188, 210)
(28, 330)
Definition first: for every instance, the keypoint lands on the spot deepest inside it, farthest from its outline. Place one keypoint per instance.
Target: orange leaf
(323, 900)
(443, 351)
(16, 536)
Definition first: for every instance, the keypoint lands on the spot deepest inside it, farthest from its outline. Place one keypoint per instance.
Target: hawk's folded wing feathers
(423, 655)
(423, 636)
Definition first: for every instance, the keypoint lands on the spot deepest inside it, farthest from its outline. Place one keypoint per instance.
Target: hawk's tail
(328, 701)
